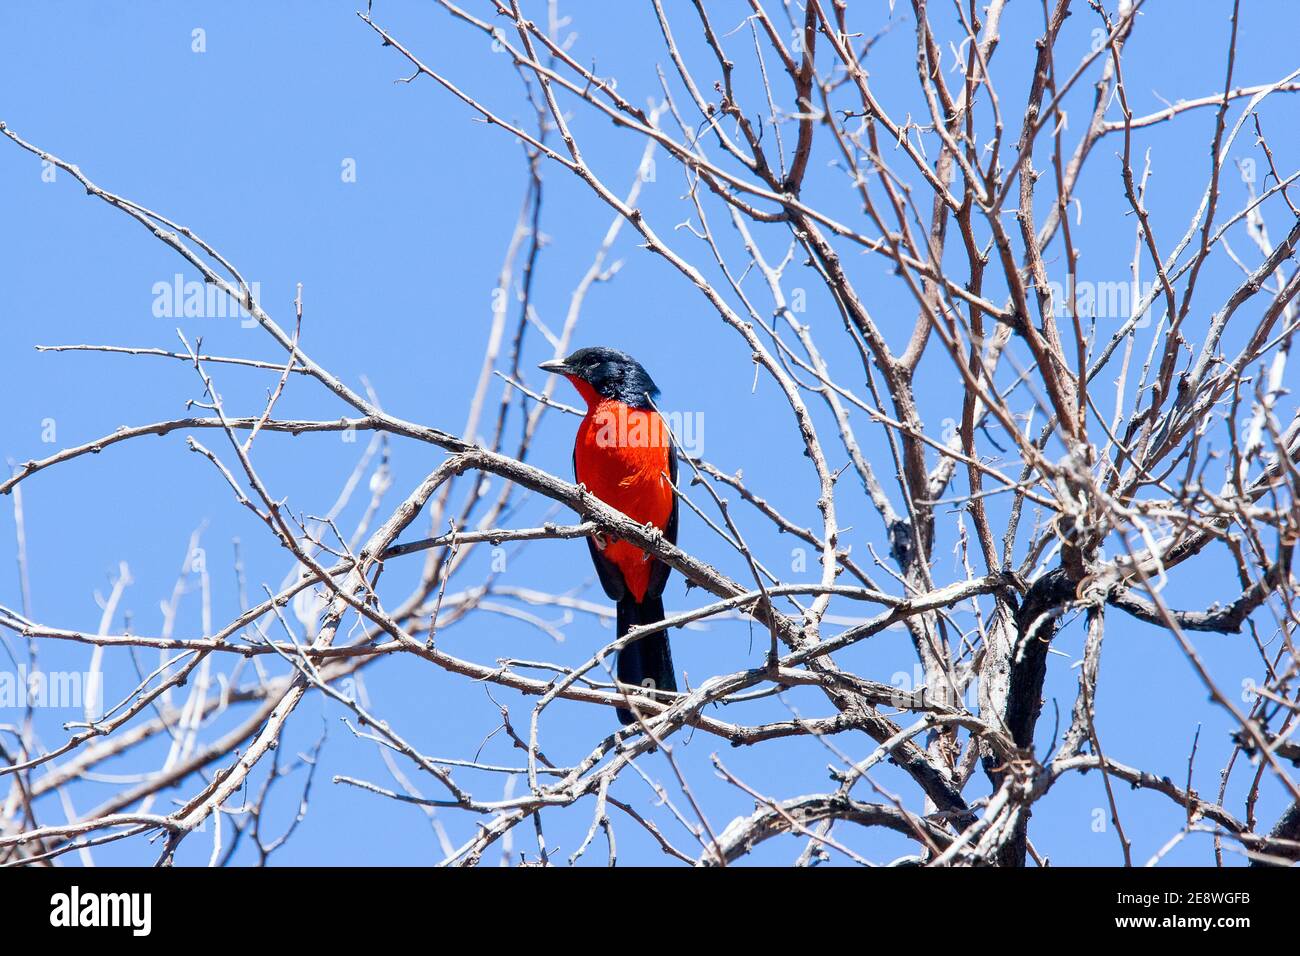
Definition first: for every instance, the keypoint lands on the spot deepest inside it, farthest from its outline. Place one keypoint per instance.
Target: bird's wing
(611, 578)
(659, 573)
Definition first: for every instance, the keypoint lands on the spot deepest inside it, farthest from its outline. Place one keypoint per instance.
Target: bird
(625, 456)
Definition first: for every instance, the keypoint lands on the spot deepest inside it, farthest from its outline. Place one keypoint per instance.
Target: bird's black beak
(556, 366)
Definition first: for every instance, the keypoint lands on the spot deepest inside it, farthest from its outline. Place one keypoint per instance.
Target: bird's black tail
(646, 662)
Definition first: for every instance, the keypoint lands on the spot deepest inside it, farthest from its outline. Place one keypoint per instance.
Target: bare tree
(1083, 466)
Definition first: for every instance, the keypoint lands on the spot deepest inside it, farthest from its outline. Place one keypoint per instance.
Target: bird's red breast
(621, 456)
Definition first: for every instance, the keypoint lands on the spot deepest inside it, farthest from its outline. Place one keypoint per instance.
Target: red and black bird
(624, 455)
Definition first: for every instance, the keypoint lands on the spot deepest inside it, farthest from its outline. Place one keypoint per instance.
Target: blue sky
(246, 142)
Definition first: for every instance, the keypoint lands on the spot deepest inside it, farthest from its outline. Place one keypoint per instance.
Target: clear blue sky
(246, 142)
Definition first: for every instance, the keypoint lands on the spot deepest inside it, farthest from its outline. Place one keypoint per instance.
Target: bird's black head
(610, 373)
